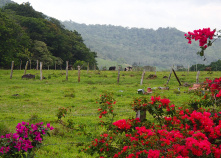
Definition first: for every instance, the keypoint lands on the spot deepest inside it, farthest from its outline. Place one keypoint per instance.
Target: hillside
(30, 35)
(4, 2)
(163, 47)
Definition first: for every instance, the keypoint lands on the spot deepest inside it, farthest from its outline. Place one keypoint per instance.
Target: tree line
(26, 34)
(213, 66)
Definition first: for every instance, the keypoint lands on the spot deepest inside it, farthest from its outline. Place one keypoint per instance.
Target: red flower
(165, 101)
(122, 124)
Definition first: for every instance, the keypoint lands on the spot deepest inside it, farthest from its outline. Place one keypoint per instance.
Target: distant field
(38, 101)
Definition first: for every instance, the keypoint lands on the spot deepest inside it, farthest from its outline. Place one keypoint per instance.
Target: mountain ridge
(162, 48)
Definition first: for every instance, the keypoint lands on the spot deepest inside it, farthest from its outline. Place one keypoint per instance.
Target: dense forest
(213, 66)
(163, 47)
(26, 34)
(4, 2)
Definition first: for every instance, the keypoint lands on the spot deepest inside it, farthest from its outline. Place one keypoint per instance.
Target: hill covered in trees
(4, 2)
(26, 34)
(163, 47)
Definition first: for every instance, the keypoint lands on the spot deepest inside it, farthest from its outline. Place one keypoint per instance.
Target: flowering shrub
(214, 87)
(156, 106)
(23, 142)
(106, 102)
(182, 133)
(61, 113)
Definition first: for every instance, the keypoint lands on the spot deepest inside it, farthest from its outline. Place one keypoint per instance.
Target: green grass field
(38, 101)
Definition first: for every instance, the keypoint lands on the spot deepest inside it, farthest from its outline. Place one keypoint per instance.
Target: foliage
(13, 39)
(4, 2)
(25, 30)
(41, 53)
(82, 64)
(213, 66)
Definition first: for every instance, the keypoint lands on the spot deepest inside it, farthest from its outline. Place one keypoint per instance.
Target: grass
(38, 101)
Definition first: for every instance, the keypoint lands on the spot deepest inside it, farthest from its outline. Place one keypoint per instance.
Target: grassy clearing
(38, 101)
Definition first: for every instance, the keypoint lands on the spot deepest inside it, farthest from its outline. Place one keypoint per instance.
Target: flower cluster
(24, 140)
(214, 85)
(126, 124)
(106, 102)
(201, 35)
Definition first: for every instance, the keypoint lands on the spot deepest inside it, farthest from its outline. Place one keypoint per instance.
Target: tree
(41, 53)
(13, 41)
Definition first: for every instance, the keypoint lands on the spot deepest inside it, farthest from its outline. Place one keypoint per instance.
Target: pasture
(32, 100)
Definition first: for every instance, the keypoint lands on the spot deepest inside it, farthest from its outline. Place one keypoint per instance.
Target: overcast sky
(185, 15)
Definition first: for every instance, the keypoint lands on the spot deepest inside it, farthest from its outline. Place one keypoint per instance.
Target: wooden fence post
(141, 81)
(20, 63)
(79, 73)
(87, 67)
(176, 77)
(66, 70)
(12, 69)
(188, 70)
(41, 76)
(169, 76)
(26, 66)
(141, 114)
(197, 76)
(118, 78)
(37, 65)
